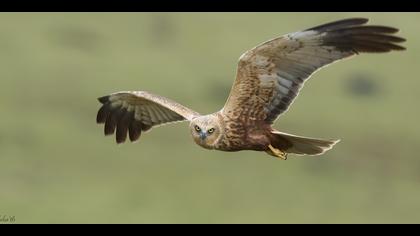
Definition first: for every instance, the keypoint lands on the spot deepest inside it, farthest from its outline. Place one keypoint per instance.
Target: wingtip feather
(104, 99)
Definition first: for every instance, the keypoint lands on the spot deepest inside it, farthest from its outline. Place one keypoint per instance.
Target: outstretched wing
(136, 112)
(270, 76)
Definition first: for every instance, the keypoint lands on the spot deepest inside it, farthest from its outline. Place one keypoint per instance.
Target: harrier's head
(206, 130)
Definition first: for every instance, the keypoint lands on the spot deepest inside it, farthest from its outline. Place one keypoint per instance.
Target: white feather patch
(116, 104)
(266, 79)
(285, 82)
(304, 34)
(137, 113)
(282, 89)
(261, 61)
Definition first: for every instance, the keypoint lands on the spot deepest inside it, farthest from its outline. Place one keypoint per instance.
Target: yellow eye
(197, 128)
(210, 130)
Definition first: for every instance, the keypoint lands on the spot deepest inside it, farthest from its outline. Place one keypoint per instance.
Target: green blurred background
(57, 167)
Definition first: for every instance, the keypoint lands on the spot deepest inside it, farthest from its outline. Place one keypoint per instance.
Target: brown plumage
(269, 77)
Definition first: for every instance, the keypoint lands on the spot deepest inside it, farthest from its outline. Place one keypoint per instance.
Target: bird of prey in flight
(268, 78)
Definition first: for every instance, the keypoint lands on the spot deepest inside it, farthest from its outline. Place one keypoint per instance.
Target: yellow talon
(278, 153)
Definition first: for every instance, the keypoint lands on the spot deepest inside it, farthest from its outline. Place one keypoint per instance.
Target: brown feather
(124, 121)
(111, 123)
(104, 99)
(103, 113)
(134, 130)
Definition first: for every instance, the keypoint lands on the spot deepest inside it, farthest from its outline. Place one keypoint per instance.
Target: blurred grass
(56, 166)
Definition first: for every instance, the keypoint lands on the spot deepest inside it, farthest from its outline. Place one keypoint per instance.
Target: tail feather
(305, 145)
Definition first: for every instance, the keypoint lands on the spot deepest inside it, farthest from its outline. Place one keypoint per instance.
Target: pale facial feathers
(206, 130)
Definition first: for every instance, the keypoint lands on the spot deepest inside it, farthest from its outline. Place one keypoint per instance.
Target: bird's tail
(304, 145)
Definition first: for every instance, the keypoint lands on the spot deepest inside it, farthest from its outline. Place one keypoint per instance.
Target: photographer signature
(7, 219)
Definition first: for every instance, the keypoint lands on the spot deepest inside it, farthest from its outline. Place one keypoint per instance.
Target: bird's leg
(278, 153)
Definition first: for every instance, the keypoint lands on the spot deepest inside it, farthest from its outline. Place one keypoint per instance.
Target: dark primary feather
(104, 99)
(134, 130)
(103, 114)
(119, 120)
(339, 24)
(353, 35)
(124, 120)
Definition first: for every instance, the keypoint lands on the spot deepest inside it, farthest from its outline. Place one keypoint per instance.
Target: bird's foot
(278, 153)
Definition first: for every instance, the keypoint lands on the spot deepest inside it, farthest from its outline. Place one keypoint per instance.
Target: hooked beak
(203, 136)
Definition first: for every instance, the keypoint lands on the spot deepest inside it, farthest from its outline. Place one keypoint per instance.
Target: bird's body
(269, 77)
(236, 133)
